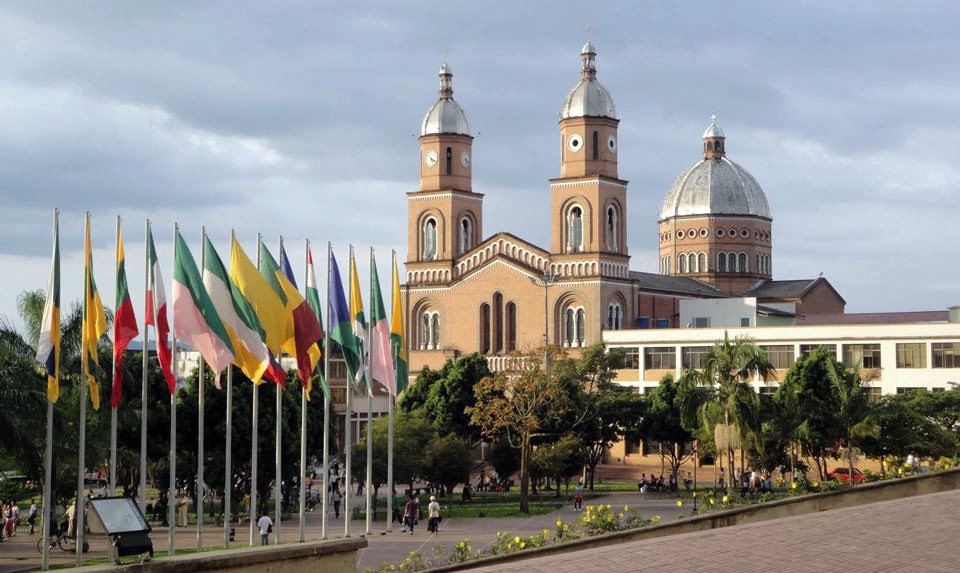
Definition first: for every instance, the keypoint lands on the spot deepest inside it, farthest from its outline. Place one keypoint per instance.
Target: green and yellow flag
(94, 321)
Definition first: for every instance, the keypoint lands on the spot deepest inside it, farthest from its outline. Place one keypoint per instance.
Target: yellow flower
(559, 523)
(609, 506)
(621, 515)
(726, 499)
(522, 545)
(816, 484)
(793, 485)
(566, 527)
(626, 508)
(589, 508)
(710, 501)
(516, 539)
(694, 494)
(679, 503)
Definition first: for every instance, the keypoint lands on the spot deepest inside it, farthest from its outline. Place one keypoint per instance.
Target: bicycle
(65, 542)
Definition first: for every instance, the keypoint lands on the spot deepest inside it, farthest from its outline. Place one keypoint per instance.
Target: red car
(843, 474)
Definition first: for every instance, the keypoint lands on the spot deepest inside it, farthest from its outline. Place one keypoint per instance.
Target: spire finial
(586, 32)
(713, 118)
(444, 56)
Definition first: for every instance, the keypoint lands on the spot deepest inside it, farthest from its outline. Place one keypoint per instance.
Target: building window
(862, 355)
(874, 395)
(721, 262)
(596, 145)
(511, 320)
(700, 322)
(702, 263)
(614, 316)
(497, 323)
(613, 227)
(574, 325)
(660, 358)
(466, 235)
(744, 321)
(694, 357)
(806, 349)
(911, 355)
(779, 355)
(575, 230)
(682, 263)
(946, 354)
(430, 239)
(429, 335)
(742, 263)
(484, 328)
(449, 161)
(631, 359)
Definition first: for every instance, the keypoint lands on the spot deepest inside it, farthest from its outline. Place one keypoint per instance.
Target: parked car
(843, 474)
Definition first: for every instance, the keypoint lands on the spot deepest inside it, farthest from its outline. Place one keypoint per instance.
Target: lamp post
(548, 278)
(695, 464)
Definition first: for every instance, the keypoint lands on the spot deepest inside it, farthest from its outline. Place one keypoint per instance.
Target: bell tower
(444, 214)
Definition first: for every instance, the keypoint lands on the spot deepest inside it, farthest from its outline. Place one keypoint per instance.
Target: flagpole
(390, 399)
(228, 461)
(369, 482)
(326, 408)
(172, 486)
(201, 494)
(81, 498)
(48, 465)
(143, 374)
(277, 479)
(303, 415)
(347, 435)
(113, 410)
(254, 437)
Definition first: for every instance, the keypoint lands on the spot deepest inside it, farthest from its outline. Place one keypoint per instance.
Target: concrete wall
(859, 495)
(723, 312)
(334, 556)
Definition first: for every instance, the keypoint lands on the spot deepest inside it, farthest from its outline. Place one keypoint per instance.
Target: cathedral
(470, 292)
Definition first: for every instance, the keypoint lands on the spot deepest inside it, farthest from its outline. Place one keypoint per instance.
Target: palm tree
(721, 395)
(854, 417)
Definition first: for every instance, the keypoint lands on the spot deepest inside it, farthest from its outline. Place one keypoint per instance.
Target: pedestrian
(183, 503)
(578, 498)
(15, 510)
(410, 513)
(32, 516)
(433, 512)
(265, 525)
(337, 497)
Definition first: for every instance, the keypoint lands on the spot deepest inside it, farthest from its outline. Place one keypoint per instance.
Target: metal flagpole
(172, 486)
(277, 475)
(113, 410)
(143, 377)
(228, 461)
(326, 408)
(369, 348)
(81, 466)
(348, 422)
(390, 399)
(48, 465)
(200, 490)
(254, 441)
(303, 416)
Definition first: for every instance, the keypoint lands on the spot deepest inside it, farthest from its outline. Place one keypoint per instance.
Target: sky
(301, 119)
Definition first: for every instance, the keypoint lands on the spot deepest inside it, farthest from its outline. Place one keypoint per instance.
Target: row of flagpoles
(244, 317)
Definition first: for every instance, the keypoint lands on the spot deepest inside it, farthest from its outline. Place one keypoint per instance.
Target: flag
(124, 322)
(156, 312)
(48, 346)
(313, 299)
(339, 321)
(359, 324)
(237, 315)
(266, 306)
(381, 361)
(270, 271)
(306, 327)
(195, 319)
(94, 321)
(397, 334)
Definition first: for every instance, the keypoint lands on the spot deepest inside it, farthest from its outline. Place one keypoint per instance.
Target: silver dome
(713, 130)
(445, 115)
(715, 187)
(588, 98)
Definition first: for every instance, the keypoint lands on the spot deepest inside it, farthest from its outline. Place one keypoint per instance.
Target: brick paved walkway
(911, 534)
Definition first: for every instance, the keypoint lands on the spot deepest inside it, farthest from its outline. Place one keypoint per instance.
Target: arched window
(511, 320)
(430, 239)
(702, 262)
(721, 262)
(428, 335)
(497, 323)
(694, 263)
(449, 161)
(613, 228)
(682, 263)
(614, 316)
(581, 327)
(466, 235)
(596, 145)
(742, 263)
(575, 230)
(574, 325)
(435, 330)
(484, 328)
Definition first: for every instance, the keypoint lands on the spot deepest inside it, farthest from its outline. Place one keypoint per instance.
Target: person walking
(265, 525)
(32, 515)
(433, 512)
(410, 513)
(183, 503)
(337, 497)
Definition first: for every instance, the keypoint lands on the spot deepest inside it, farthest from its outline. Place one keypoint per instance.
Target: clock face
(465, 158)
(575, 142)
(430, 158)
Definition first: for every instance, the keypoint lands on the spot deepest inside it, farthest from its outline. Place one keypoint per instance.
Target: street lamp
(548, 278)
(695, 460)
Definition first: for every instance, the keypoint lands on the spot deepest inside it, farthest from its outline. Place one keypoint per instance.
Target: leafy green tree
(447, 461)
(905, 429)
(661, 424)
(503, 457)
(855, 420)
(452, 393)
(559, 461)
(517, 403)
(721, 395)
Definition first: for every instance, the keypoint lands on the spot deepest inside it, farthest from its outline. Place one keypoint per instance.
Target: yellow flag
(269, 309)
(94, 321)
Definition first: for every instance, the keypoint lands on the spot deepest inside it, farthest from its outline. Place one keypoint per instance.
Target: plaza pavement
(912, 534)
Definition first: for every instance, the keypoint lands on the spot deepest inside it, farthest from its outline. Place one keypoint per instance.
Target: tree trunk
(524, 474)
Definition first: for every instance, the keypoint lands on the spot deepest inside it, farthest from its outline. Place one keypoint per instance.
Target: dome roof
(713, 130)
(588, 98)
(715, 187)
(445, 115)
